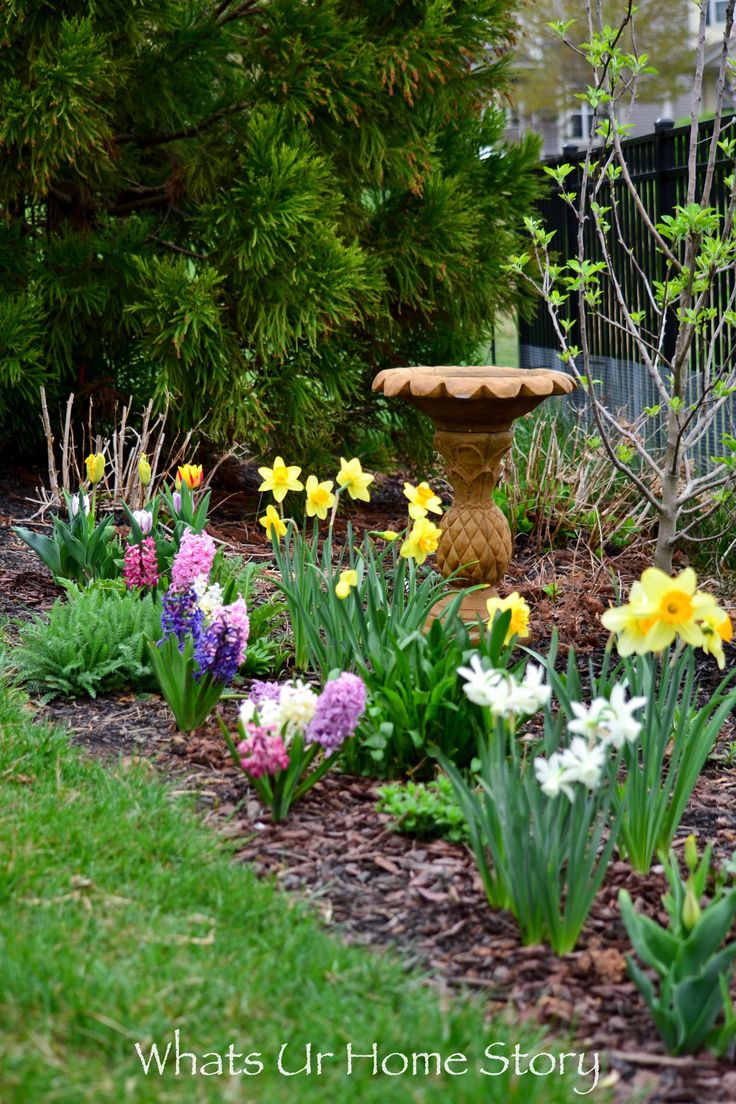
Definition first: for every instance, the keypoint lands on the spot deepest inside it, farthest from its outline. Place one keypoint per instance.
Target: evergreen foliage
(93, 642)
(250, 206)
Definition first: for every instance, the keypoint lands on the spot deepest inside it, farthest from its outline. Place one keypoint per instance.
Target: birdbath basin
(473, 410)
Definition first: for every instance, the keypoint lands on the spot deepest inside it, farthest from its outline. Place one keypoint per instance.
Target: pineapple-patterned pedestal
(473, 410)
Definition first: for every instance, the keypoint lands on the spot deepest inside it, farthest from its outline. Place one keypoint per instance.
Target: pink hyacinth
(140, 564)
(262, 752)
(195, 556)
(235, 616)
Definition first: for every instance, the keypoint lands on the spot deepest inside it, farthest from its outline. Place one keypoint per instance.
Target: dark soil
(425, 899)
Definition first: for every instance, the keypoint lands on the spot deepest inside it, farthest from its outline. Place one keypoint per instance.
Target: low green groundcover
(123, 919)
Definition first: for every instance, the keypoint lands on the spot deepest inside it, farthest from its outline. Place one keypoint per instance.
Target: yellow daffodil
(717, 629)
(144, 470)
(631, 622)
(388, 534)
(271, 521)
(423, 539)
(320, 498)
(280, 479)
(95, 464)
(661, 608)
(353, 479)
(422, 500)
(348, 580)
(191, 474)
(519, 623)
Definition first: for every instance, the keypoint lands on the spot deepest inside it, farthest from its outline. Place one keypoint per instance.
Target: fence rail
(658, 167)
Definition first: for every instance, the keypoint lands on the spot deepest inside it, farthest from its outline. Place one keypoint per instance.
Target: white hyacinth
(209, 595)
(246, 712)
(293, 711)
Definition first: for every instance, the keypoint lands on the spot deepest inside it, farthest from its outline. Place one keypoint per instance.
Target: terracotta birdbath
(472, 410)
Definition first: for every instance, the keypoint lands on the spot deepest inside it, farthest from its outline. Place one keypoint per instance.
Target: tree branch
(184, 132)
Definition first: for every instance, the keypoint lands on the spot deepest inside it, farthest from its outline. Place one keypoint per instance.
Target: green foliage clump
(690, 1001)
(248, 209)
(427, 810)
(94, 641)
(416, 703)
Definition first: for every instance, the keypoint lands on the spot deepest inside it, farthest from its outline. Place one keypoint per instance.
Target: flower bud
(691, 853)
(145, 521)
(95, 464)
(176, 499)
(690, 909)
(144, 470)
(76, 500)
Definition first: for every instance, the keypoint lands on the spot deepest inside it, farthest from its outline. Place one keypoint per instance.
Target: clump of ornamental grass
(92, 642)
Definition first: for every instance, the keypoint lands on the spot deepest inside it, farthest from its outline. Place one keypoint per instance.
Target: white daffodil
(532, 693)
(583, 763)
(553, 777)
(619, 724)
(479, 681)
(589, 719)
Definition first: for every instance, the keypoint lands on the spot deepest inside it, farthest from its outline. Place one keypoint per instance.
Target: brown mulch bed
(425, 899)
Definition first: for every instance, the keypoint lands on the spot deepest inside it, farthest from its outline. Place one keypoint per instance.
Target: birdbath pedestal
(473, 410)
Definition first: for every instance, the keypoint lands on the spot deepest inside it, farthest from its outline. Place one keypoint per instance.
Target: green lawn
(123, 918)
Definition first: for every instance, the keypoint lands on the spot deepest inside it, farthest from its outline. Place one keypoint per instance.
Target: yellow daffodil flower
(191, 474)
(320, 498)
(717, 629)
(519, 623)
(95, 464)
(661, 608)
(271, 521)
(631, 623)
(353, 479)
(280, 479)
(144, 470)
(422, 500)
(423, 539)
(388, 534)
(348, 580)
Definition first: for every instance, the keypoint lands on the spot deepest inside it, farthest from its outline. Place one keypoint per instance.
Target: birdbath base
(473, 410)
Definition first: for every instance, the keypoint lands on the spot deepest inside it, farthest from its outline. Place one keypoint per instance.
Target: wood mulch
(425, 899)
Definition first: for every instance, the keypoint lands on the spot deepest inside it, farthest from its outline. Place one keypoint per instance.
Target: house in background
(568, 123)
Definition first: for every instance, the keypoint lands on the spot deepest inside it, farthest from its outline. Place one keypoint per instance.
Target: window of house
(716, 11)
(580, 121)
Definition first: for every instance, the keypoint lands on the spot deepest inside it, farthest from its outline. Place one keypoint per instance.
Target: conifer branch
(184, 132)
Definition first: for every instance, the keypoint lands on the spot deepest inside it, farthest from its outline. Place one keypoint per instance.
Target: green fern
(93, 641)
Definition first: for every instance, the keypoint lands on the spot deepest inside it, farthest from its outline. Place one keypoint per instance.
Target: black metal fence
(657, 164)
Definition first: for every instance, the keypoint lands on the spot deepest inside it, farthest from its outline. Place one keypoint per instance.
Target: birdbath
(472, 410)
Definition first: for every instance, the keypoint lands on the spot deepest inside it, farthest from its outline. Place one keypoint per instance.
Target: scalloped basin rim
(472, 383)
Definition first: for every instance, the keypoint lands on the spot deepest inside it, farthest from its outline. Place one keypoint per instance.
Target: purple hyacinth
(261, 692)
(339, 708)
(181, 617)
(220, 650)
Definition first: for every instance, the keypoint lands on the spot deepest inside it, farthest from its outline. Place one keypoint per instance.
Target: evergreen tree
(250, 206)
